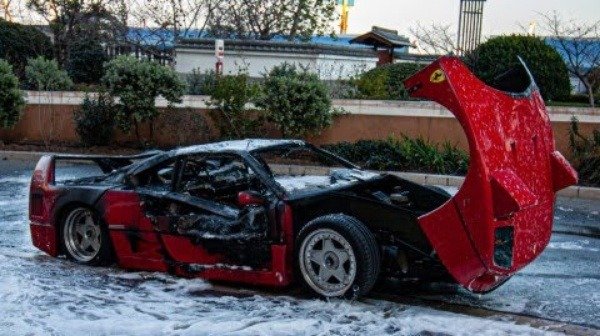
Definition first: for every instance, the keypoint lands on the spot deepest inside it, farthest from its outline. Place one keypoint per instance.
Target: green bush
(499, 54)
(296, 101)
(137, 84)
(404, 154)
(11, 98)
(373, 84)
(95, 120)
(385, 82)
(20, 42)
(199, 83)
(230, 96)
(578, 99)
(45, 75)
(585, 154)
(86, 61)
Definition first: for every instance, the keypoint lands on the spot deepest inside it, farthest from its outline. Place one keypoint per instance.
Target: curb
(428, 179)
(456, 181)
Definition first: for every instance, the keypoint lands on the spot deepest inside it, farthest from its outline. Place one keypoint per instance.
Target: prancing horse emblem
(437, 76)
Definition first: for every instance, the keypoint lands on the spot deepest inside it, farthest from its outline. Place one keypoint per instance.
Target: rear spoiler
(107, 163)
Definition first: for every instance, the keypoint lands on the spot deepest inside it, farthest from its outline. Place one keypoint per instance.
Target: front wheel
(84, 239)
(338, 256)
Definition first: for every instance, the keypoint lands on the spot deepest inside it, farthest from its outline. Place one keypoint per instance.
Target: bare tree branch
(435, 39)
(578, 43)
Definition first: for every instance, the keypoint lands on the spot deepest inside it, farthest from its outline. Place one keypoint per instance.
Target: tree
(45, 75)
(499, 54)
(137, 84)
(11, 98)
(19, 42)
(86, 61)
(296, 101)
(578, 43)
(165, 21)
(72, 20)
(438, 39)
(264, 20)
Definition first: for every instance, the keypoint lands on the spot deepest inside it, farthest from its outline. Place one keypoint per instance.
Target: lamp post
(220, 55)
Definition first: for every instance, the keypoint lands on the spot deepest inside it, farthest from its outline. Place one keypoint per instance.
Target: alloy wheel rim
(82, 235)
(328, 263)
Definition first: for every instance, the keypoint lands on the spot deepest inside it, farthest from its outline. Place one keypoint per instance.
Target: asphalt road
(43, 295)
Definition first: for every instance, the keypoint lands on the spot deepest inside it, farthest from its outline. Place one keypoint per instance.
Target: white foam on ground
(574, 246)
(40, 295)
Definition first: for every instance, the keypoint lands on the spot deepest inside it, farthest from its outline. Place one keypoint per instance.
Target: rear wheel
(84, 239)
(338, 256)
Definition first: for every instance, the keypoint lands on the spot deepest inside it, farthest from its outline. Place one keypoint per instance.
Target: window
(217, 177)
(298, 160)
(159, 177)
(302, 167)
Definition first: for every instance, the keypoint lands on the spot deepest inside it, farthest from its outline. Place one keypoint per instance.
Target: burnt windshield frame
(321, 152)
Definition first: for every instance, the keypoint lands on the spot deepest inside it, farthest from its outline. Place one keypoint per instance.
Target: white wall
(329, 67)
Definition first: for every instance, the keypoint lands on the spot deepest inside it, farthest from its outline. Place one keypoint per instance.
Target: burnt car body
(267, 212)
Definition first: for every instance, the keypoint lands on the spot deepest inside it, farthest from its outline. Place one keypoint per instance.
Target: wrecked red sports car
(267, 212)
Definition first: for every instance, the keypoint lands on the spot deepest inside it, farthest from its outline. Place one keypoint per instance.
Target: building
(331, 58)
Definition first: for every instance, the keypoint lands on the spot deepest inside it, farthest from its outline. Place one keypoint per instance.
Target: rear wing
(44, 172)
(107, 163)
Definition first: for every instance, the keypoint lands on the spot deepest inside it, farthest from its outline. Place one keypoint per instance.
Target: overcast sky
(500, 16)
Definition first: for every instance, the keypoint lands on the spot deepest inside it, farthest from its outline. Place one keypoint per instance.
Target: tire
(84, 238)
(341, 249)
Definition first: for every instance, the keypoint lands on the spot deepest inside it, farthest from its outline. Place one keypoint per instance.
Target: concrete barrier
(48, 117)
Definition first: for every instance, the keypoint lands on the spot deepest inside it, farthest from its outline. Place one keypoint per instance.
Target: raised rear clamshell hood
(513, 176)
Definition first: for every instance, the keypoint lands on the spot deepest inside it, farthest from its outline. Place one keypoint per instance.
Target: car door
(201, 220)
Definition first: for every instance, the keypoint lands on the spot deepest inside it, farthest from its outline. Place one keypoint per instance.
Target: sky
(500, 16)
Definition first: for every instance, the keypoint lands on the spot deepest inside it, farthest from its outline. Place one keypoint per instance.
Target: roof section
(315, 48)
(245, 145)
(381, 37)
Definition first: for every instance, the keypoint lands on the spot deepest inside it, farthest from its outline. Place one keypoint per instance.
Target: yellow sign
(437, 76)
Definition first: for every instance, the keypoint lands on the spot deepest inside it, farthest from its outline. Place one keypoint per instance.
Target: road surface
(40, 295)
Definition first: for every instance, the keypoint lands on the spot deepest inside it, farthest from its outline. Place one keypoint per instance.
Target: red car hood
(501, 218)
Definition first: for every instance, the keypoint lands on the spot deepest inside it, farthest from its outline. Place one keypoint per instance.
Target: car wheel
(338, 256)
(84, 239)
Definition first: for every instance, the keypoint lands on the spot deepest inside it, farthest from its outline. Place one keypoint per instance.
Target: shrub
(373, 84)
(11, 98)
(230, 96)
(45, 75)
(296, 101)
(397, 73)
(199, 83)
(385, 82)
(137, 84)
(404, 154)
(95, 121)
(586, 154)
(20, 42)
(86, 61)
(499, 54)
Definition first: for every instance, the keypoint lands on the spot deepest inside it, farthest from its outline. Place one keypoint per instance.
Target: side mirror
(250, 198)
